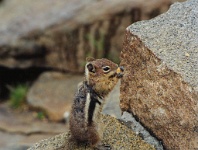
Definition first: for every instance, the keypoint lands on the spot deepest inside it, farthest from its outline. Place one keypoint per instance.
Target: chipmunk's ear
(89, 59)
(91, 67)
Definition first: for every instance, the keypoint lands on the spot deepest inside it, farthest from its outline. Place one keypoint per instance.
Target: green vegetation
(41, 115)
(17, 99)
(18, 95)
(98, 44)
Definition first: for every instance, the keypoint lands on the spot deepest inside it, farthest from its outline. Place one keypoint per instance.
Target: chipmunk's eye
(106, 69)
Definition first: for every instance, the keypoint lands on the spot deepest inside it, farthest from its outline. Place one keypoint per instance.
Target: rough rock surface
(61, 34)
(53, 92)
(115, 134)
(160, 86)
(136, 127)
(16, 141)
(20, 130)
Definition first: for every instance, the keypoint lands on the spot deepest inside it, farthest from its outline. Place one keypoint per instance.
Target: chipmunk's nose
(120, 69)
(119, 72)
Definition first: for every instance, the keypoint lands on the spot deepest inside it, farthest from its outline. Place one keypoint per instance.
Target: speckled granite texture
(173, 37)
(160, 85)
(117, 135)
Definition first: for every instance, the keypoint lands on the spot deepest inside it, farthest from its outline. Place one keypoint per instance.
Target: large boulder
(60, 34)
(160, 85)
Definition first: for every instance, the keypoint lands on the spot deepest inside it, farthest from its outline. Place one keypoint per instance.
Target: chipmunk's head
(102, 74)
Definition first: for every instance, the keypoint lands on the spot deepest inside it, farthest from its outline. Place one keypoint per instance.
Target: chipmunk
(101, 75)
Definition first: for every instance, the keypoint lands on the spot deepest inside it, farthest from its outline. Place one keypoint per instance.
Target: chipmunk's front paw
(102, 147)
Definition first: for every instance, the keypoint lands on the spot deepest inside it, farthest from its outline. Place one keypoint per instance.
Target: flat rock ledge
(160, 85)
(117, 135)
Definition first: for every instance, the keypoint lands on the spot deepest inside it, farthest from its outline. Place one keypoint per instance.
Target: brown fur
(98, 83)
(101, 81)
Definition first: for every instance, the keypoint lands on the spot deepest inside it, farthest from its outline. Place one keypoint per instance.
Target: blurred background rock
(43, 46)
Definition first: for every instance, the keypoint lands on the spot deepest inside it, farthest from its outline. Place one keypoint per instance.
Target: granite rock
(160, 85)
(136, 127)
(115, 134)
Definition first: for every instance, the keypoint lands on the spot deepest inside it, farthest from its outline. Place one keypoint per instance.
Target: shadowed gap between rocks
(15, 76)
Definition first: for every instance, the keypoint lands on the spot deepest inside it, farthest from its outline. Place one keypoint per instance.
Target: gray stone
(160, 85)
(16, 141)
(135, 126)
(53, 92)
(173, 38)
(117, 135)
(12, 138)
(26, 123)
(61, 34)
(21, 129)
(112, 106)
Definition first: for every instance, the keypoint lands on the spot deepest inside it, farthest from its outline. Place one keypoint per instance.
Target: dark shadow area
(12, 77)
